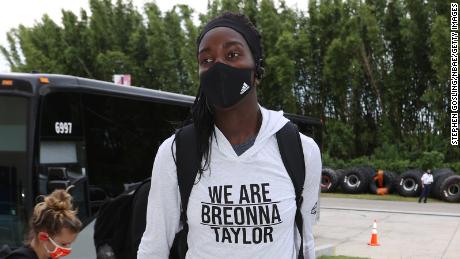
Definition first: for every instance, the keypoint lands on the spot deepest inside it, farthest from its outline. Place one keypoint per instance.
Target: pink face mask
(58, 251)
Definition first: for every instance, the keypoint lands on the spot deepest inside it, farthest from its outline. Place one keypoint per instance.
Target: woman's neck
(38, 249)
(241, 122)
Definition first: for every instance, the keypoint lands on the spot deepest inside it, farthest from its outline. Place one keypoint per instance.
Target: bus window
(122, 137)
(61, 116)
(52, 152)
(12, 124)
(67, 154)
(13, 167)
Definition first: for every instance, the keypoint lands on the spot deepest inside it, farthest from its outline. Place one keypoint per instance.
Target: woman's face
(224, 45)
(65, 238)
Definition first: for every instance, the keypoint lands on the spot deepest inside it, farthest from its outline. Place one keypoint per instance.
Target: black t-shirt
(23, 252)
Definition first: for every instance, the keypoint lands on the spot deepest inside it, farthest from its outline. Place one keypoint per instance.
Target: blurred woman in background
(54, 226)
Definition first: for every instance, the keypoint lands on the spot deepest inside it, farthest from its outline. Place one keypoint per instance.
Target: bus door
(62, 150)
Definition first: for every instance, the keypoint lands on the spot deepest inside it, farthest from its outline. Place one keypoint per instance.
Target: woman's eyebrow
(226, 45)
(231, 43)
(203, 50)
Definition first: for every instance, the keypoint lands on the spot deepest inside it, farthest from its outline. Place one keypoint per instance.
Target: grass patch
(342, 257)
(368, 196)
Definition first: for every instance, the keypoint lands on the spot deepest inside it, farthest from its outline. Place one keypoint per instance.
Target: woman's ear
(256, 79)
(42, 236)
(257, 82)
(258, 75)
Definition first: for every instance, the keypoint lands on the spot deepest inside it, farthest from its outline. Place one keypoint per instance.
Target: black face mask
(224, 85)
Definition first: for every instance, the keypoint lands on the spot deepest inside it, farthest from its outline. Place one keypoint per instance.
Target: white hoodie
(243, 208)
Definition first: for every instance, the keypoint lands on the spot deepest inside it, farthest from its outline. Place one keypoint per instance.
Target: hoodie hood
(272, 122)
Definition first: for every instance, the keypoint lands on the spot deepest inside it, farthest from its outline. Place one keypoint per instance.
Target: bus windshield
(13, 166)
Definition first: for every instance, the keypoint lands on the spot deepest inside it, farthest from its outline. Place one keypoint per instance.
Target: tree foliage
(375, 71)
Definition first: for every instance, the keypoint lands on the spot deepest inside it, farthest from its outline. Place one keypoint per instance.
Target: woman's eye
(233, 54)
(206, 60)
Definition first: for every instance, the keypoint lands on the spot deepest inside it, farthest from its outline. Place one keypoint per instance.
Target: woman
(242, 184)
(53, 228)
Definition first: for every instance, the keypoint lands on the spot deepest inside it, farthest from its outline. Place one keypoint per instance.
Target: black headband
(251, 38)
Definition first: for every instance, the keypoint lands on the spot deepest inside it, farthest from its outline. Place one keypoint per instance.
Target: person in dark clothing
(53, 228)
(24, 252)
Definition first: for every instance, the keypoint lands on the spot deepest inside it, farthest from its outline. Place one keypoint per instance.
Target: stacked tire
(356, 179)
(409, 183)
(450, 189)
(439, 176)
(329, 180)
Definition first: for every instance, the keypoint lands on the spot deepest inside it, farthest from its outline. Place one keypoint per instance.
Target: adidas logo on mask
(244, 88)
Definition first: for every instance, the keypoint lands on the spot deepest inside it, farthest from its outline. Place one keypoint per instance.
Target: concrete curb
(395, 211)
(328, 250)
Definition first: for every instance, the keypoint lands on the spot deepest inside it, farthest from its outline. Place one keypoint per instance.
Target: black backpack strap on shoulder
(291, 151)
(188, 163)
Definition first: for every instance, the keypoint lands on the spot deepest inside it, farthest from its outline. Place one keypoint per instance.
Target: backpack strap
(138, 217)
(291, 151)
(188, 163)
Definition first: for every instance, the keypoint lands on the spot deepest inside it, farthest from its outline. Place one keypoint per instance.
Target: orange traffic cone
(374, 239)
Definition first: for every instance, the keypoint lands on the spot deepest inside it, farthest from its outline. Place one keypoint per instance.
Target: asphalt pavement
(405, 229)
